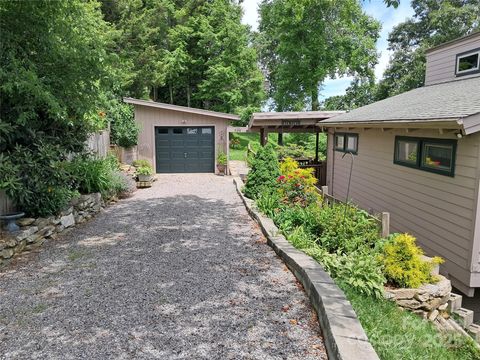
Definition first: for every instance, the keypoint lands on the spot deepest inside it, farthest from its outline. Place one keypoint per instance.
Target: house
(179, 139)
(417, 156)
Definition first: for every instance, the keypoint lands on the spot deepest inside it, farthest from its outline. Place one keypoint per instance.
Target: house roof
(451, 102)
(291, 119)
(186, 109)
(454, 41)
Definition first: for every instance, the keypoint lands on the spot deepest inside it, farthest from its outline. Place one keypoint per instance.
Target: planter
(221, 169)
(144, 178)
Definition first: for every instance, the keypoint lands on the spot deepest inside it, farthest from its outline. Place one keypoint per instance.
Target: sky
(388, 17)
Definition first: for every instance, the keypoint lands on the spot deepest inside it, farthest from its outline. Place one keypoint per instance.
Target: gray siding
(149, 117)
(439, 210)
(441, 62)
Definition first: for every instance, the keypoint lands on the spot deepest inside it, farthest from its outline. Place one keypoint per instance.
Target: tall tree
(360, 92)
(302, 42)
(188, 52)
(434, 22)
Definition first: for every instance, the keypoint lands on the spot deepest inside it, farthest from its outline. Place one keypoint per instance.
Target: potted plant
(221, 162)
(144, 173)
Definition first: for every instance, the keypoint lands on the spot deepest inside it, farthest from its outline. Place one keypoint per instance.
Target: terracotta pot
(221, 168)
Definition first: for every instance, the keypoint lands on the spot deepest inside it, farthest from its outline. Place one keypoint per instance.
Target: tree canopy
(187, 52)
(302, 42)
(434, 22)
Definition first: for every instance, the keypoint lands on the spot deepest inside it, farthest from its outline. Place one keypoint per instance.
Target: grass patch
(75, 254)
(254, 138)
(38, 309)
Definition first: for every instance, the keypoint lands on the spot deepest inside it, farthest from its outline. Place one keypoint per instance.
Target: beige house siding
(441, 61)
(148, 118)
(439, 210)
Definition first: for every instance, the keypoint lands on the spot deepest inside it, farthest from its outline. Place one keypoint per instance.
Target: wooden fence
(383, 219)
(98, 143)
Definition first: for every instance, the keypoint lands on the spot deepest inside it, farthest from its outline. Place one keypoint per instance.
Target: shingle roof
(452, 100)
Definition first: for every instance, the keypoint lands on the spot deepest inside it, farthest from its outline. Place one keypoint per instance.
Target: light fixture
(459, 135)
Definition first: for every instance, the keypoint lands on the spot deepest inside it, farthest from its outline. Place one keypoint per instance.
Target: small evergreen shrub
(264, 172)
(124, 129)
(403, 263)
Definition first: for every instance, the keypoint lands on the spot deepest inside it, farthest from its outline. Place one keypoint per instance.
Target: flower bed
(346, 241)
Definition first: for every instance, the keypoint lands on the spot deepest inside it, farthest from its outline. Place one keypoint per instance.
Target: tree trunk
(188, 95)
(315, 102)
(170, 89)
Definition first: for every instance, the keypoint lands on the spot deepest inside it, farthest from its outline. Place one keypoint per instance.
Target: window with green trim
(346, 142)
(434, 155)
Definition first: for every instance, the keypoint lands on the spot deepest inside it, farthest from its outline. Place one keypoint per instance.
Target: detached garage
(179, 139)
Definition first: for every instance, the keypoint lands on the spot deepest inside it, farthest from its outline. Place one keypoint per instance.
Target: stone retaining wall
(427, 301)
(34, 232)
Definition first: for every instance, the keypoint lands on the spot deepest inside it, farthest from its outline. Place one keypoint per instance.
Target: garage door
(185, 149)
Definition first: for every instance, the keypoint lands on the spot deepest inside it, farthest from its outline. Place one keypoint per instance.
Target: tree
(361, 92)
(434, 22)
(302, 42)
(188, 52)
(54, 71)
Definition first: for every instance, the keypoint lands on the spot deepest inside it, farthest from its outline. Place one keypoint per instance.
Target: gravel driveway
(179, 271)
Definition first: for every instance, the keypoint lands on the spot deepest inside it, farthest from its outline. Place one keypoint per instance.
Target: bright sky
(388, 17)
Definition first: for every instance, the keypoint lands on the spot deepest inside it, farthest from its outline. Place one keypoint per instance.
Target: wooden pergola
(289, 122)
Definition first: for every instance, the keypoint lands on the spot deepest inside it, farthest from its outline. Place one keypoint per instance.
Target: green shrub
(264, 172)
(141, 163)
(36, 180)
(404, 266)
(221, 158)
(91, 175)
(268, 202)
(344, 228)
(144, 170)
(291, 151)
(124, 129)
(297, 186)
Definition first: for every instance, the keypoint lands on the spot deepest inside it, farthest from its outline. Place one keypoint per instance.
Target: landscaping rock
(23, 234)
(40, 223)
(25, 222)
(67, 220)
(7, 253)
(433, 315)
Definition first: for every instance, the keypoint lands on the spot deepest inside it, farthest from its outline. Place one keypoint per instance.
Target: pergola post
(280, 139)
(316, 145)
(263, 136)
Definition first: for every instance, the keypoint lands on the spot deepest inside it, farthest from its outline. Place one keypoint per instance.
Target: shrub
(91, 175)
(123, 184)
(264, 172)
(144, 170)
(297, 186)
(291, 151)
(343, 228)
(124, 129)
(404, 266)
(140, 163)
(268, 202)
(221, 158)
(235, 144)
(36, 181)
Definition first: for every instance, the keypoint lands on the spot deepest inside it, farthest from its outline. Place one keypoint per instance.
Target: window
(162, 130)
(346, 142)
(192, 131)
(468, 63)
(206, 131)
(178, 131)
(434, 155)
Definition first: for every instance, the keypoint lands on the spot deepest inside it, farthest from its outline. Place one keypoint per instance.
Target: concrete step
(457, 328)
(474, 331)
(454, 303)
(464, 317)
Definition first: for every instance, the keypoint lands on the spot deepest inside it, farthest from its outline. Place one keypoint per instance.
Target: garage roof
(457, 102)
(186, 109)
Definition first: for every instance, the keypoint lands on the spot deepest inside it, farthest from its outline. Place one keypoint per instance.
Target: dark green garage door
(185, 149)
